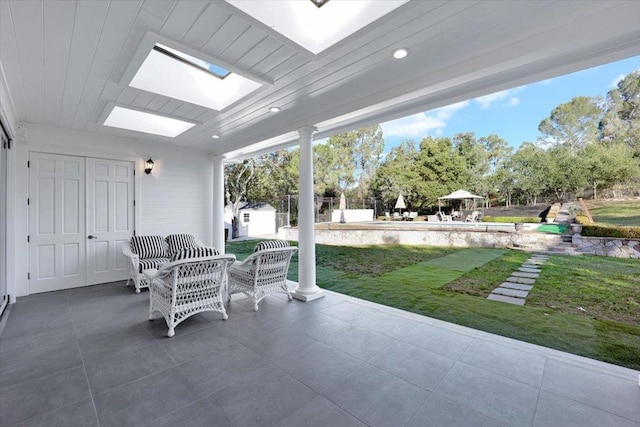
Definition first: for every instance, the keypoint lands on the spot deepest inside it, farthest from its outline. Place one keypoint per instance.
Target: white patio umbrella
(400, 203)
(343, 202)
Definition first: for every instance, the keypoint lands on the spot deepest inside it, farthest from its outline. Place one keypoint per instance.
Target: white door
(3, 221)
(80, 212)
(57, 233)
(109, 218)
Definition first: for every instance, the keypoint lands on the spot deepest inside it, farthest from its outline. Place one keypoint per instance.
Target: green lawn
(615, 213)
(452, 284)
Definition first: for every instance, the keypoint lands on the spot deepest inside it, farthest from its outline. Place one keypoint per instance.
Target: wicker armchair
(189, 286)
(264, 272)
(149, 252)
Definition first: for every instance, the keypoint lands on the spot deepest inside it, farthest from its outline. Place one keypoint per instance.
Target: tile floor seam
(48, 375)
(86, 377)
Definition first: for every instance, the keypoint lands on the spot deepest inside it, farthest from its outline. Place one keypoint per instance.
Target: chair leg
(171, 332)
(255, 305)
(225, 316)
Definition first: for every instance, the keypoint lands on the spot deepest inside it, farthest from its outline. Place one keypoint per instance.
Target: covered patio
(91, 90)
(89, 356)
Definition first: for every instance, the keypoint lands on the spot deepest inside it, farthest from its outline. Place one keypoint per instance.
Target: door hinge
(28, 201)
(28, 276)
(28, 239)
(28, 164)
(134, 172)
(134, 232)
(134, 203)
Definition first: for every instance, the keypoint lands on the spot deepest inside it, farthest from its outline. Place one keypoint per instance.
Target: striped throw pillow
(271, 244)
(148, 246)
(177, 242)
(194, 253)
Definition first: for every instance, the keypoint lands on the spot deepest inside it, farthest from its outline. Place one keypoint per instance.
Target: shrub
(603, 231)
(527, 219)
(582, 219)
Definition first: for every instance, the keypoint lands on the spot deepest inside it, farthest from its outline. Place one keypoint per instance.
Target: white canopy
(460, 194)
(400, 203)
(343, 202)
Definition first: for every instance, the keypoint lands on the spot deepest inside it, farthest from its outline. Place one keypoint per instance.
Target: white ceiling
(66, 62)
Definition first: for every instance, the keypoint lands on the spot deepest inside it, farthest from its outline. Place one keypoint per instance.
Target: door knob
(92, 237)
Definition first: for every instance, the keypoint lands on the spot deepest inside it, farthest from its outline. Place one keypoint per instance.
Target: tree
(573, 124)
(238, 180)
(621, 121)
(440, 169)
(396, 174)
(530, 165)
(565, 171)
(608, 165)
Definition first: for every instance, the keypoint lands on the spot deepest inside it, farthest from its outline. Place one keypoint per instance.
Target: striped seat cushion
(148, 247)
(178, 242)
(271, 244)
(194, 253)
(149, 263)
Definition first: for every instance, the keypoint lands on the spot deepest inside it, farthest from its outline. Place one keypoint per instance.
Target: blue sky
(513, 114)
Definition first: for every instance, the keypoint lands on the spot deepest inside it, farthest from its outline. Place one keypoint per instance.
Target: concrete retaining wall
(352, 215)
(348, 236)
(607, 246)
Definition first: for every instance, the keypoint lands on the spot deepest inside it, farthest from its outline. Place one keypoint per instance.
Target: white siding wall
(260, 222)
(175, 198)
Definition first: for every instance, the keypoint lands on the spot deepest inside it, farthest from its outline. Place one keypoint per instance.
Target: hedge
(514, 219)
(604, 231)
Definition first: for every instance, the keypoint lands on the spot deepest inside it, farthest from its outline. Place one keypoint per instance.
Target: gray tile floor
(89, 356)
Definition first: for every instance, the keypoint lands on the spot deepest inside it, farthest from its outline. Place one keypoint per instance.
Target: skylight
(199, 63)
(169, 72)
(125, 118)
(317, 24)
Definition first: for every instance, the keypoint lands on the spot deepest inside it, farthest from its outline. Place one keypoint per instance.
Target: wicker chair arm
(133, 258)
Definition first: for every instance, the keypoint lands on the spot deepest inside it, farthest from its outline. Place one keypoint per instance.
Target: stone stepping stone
(540, 257)
(529, 270)
(535, 261)
(510, 292)
(527, 275)
(518, 286)
(524, 280)
(502, 298)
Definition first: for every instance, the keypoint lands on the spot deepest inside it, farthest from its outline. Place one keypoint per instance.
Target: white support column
(218, 203)
(307, 289)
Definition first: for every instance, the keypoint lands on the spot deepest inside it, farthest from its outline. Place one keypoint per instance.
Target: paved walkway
(517, 287)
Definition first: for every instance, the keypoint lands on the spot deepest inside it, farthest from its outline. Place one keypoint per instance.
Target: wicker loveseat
(148, 252)
(262, 273)
(185, 287)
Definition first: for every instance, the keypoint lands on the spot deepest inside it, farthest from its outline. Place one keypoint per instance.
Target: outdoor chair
(473, 217)
(149, 252)
(188, 286)
(264, 272)
(444, 217)
(396, 216)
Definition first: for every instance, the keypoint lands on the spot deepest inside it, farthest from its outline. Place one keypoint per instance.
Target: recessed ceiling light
(215, 136)
(274, 109)
(400, 53)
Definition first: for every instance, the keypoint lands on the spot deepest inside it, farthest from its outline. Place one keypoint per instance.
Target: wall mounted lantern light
(148, 166)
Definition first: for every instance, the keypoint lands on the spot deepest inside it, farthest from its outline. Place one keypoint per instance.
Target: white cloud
(421, 124)
(504, 98)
